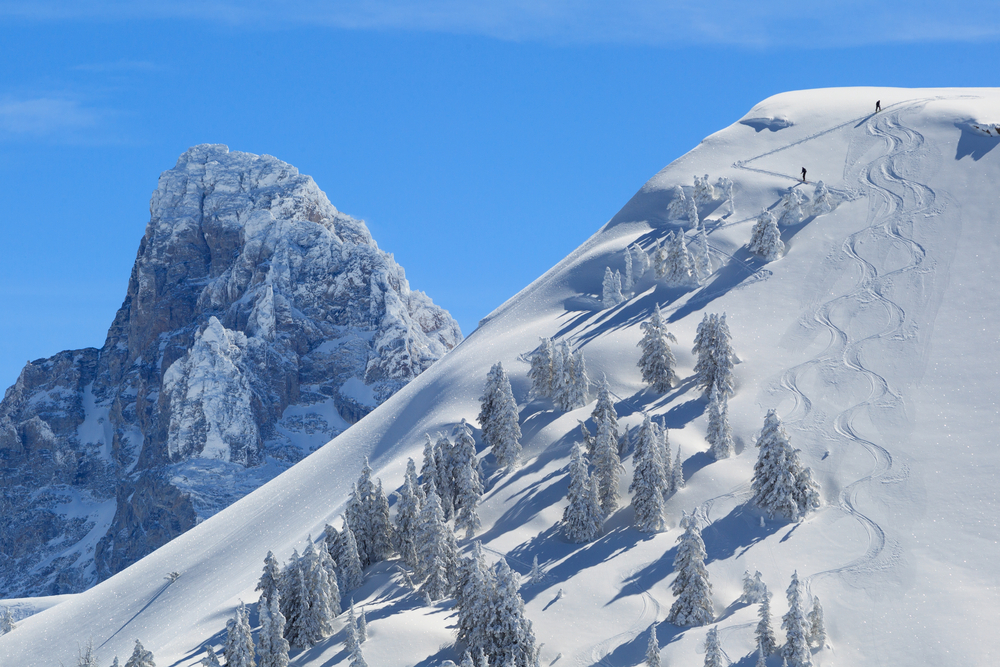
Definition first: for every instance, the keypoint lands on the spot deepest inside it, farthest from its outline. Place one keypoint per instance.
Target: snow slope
(875, 338)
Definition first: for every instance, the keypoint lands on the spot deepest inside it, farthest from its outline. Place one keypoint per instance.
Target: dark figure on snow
(803, 174)
(878, 105)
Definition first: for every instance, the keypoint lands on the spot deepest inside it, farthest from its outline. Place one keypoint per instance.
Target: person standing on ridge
(878, 105)
(803, 174)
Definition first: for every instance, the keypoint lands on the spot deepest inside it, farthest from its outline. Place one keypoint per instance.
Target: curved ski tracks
(893, 200)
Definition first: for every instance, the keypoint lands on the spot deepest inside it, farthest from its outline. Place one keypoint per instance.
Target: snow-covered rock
(252, 303)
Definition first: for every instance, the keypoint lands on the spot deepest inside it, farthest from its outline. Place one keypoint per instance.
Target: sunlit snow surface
(875, 338)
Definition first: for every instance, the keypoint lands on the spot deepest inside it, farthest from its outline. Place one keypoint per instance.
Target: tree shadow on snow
(586, 326)
(973, 144)
(736, 532)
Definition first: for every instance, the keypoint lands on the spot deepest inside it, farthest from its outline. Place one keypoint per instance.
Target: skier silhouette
(878, 105)
(803, 174)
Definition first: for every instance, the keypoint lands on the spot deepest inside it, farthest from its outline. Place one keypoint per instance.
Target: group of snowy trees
(452, 470)
(498, 418)
(559, 373)
(802, 630)
(491, 619)
(794, 207)
(682, 207)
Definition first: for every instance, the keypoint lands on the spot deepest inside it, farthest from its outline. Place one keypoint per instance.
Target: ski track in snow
(600, 654)
(893, 199)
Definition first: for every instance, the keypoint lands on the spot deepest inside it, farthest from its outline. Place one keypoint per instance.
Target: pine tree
(640, 263)
(239, 649)
(570, 383)
(368, 514)
(791, 208)
(269, 578)
(607, 463)
(357, 660)
(700, 258)
(704, 193)
(823, 201)
(678, 472)
(582, 518)
(604, 409)
(691, 587)
(428, 471)
(796, 627)
(648, 480)
(210, 659)
(578, 395)
(478, 589)
(713, 652)
(351, 572)
(6, 621)
(291, 590)
(272, 647)
(362, 627)
(435, 549)
(657, 361)
(692, 213)
(765, 238)
(716, 359)
(351, 639)
(764, 633)
(725, 187)
(140, 657)
(499, 419)
(780, 484)
(467, 660)
(407, 516)
(443, 453)
(470, 489)
(653, 648)
(669, 482)
(540, 373)
(115, 663)
(761, 659)
(678, 206)
(677, 263)
(817, 629)
(720, 435)
(629, 280)
(611, 289)
(510, 639)
(753, 587)
(87, 657)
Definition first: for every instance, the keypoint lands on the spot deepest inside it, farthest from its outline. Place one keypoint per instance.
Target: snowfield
(875, 337)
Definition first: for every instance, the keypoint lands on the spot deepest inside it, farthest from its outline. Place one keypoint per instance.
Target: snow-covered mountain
(259, 322)
(874, 337)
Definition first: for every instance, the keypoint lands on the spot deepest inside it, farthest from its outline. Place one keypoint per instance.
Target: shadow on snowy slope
(973, 144)
(588, 325)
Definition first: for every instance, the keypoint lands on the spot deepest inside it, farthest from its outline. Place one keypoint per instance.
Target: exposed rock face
(259, 322)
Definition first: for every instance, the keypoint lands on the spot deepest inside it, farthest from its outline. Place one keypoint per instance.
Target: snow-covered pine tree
(87, 657)
(716, 359)
(611, 289)
(313, 619)
(436, 550)
(478, 589)
(140, 657)
(796, 626)
(540, 372)
(587, 437)
(700, 258)
(498, 418)
(429, 468)
(657, 361)
(658, 256)
(678, 206)
(792, 207)
(578, 396)
(535, 576)
(678, 472)
(765, 238)
(6, 621)
(467, 660)
(239, 650)
(817, 628)
(115, 663)
(677, 264)
(362, 627)
(329, 567)
(691, 587)
(582, 518)
(713, 652)
(607, 463)
(351, 639)
(781, 485)
(724, 187)
(357, 659)
(407, 516)
(669, 483)
(368, 514)
(753, 587)
(443, 450)
(510, 639)
(719, 435)
(704, 193)
(272, 647)
(648, 480)
(761, 658)
(210, 659)
(291, 589)
(604, 408)
(764, 633)
(470, 489)
(823, 201)
(692, 214)
(640, 262)
(269, 578)
(653, 648)
(351, 572)
(570, 387)
(628, 280)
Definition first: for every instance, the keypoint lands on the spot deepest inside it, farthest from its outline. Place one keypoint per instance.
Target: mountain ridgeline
(259, 323)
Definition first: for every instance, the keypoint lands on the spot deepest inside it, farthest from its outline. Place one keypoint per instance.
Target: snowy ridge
(859, 338)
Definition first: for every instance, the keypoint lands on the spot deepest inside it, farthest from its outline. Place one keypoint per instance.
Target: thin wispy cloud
(652, 22)
(54, 118)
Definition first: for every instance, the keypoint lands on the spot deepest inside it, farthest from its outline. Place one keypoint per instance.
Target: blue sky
(480, 141)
